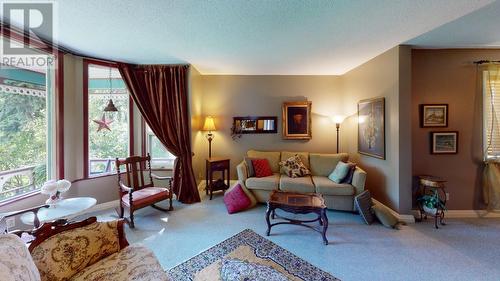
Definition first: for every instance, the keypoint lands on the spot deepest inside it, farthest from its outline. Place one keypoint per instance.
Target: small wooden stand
(432, 184)
(212, 165)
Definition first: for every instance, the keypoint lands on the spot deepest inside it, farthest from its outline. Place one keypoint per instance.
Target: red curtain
(161, 94)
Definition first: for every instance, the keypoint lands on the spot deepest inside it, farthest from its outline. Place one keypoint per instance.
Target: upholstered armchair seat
(146, 196)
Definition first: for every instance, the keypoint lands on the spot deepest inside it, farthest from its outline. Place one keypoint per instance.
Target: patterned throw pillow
(236, 200)
(294, 168)
(235, 270)
(261, 168)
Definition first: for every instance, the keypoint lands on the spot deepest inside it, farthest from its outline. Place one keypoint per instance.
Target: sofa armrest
(242, 171)
(358, 180)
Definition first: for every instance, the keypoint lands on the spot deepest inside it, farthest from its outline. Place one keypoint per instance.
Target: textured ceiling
(250, 36)
(479, 29)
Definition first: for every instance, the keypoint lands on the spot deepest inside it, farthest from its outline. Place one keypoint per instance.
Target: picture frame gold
(296, 120)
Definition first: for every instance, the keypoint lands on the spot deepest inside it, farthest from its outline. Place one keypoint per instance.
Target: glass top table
(65, 208)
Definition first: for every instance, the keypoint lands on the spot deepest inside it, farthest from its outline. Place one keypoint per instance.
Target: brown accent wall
(449, 76)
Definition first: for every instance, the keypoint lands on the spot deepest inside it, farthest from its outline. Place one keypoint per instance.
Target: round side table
(62, 209)
(433, 186)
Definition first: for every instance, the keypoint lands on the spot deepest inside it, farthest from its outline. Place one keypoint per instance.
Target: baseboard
(97, 208)
(472, 214)
(409, 219)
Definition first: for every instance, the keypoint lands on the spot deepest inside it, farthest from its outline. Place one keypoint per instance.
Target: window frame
(48, 48)
(86, 63)
(145, 146)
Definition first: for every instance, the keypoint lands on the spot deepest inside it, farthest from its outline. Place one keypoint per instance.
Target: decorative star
(103, 123)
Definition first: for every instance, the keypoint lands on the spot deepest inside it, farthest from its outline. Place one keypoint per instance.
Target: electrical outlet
(10, 222)
(447, 196)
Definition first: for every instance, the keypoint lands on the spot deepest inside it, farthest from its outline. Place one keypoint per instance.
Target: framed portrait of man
(297, 120)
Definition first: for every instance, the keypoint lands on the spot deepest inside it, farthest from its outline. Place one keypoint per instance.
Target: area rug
(247, 256)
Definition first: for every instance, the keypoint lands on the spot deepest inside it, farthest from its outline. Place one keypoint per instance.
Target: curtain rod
(487, 62)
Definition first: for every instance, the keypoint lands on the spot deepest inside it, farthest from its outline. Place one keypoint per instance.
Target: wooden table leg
(324, 221)
(268, 214)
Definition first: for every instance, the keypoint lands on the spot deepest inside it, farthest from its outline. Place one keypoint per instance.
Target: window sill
(19, 198)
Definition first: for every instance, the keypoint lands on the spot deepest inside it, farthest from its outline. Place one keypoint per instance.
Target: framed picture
(433, 115)
(371, 127)
(297, 120)
(444, 142)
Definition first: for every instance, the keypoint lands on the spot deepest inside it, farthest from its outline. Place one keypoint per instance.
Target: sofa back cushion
(304, 156)
(15, 260)
(63, 255)
(323, 164)
(272, 156)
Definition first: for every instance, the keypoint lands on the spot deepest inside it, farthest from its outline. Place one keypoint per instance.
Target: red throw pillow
(236, 200)
(261, 168)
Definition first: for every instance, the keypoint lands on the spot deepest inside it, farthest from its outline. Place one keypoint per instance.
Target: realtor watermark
(28, 30)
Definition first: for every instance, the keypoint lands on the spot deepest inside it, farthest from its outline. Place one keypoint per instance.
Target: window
(108, 132)
(27, 127)
(161, 158)
(491, 112)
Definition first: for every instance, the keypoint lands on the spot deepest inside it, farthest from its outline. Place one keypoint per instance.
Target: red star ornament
(103, 123)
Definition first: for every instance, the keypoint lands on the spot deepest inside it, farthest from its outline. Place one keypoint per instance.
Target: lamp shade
(338, 119)
(209, 124)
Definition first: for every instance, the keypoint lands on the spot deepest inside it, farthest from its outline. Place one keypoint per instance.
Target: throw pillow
(364, 204)
(248, 161)
(340, 172)
(262, 168)
(236, 200)
(350, 174)
(294, 167)
(385, 216)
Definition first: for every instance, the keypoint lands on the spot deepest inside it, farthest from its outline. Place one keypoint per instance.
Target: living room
(232, 67)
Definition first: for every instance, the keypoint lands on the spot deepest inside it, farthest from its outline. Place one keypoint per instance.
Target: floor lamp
(338, 119)
(209, 126)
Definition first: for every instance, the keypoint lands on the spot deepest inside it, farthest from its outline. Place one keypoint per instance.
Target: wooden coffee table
(297, 203)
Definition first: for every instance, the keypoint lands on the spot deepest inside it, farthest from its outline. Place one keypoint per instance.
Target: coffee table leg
(268, 214)
(324, 220)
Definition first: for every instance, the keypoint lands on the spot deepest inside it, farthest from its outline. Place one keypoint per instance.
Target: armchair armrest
(125, 188)
(358, 180)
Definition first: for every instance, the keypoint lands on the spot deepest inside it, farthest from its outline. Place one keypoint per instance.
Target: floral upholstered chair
(91, 251)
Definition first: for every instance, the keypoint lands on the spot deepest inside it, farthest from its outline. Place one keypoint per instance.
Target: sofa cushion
(272, 156)
(327, 187)
(15, 260)
(236, 200)
(304, 156)
(261, 168)
(134, 262)
(266, 183)
(348, 178)
(250, 170)
(63, 255)
(324, 164)
(301, 185)
(294, 168)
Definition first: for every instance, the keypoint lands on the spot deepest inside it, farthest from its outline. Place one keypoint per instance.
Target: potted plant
(431, 203)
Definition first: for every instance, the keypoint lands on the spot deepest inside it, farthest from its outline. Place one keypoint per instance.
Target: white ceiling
(479, 29)
(317, 37)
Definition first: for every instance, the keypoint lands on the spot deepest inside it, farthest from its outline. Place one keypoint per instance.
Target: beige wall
(384, 76)
(449, 76)
(226, 96)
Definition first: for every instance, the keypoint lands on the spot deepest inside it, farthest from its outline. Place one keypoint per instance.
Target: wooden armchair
(140, 193)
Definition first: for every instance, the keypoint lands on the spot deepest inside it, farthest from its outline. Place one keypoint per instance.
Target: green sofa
(337, 196)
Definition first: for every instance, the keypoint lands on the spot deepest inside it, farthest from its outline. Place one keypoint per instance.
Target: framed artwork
(444, 142)
(371, 127)
(297, 120)
(433, 115)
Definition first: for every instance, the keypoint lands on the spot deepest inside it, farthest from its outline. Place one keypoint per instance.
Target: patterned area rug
(247, 256)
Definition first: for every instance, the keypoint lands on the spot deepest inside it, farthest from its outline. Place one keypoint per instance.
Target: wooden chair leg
(120, 211)
(170, 202)
(131, 222)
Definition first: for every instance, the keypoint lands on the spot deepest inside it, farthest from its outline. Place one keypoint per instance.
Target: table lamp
(209, 126)
(338, 119)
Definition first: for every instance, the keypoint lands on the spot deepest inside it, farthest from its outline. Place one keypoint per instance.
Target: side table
(216, 164)
(432, 189)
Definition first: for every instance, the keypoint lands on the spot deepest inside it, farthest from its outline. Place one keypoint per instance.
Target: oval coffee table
(66, 208)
